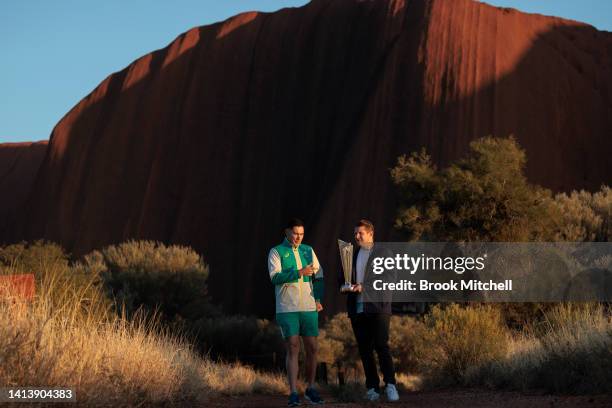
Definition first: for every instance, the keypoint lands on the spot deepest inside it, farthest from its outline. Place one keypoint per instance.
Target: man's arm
(278, 276)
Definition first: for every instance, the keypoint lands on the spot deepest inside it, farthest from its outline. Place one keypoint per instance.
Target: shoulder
(381, 250)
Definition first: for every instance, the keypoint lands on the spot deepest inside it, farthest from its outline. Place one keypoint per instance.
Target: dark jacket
(369, 277)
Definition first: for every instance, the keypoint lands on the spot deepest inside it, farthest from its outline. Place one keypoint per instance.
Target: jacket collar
(287, 244)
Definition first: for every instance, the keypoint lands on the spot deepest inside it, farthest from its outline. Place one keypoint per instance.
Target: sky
(53, 53)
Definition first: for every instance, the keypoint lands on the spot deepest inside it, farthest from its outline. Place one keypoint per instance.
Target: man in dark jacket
(370, 320)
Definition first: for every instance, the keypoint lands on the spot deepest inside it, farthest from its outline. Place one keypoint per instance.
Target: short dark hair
(294, 222)
(365, 223)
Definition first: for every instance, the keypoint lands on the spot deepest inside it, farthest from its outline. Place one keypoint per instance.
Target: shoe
(392, 394)
(294, 400)
(372, 395)
(313, 396)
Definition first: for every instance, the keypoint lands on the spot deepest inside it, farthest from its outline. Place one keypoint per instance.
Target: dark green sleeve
(285, 276)
(318, 287)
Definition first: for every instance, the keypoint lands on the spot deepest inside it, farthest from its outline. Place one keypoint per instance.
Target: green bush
(464, 337)
(168, 280)
(442, 346)
(36, 257)
(337, 343)
(410, 341)
(585, 216)
(484, 197)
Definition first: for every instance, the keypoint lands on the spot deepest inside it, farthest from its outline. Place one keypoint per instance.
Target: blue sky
(54, 52)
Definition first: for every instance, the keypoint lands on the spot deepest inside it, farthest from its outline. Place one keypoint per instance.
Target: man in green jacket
(298, 284)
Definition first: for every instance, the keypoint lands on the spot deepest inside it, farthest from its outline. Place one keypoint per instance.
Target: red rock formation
(19, 163)
(216, 139)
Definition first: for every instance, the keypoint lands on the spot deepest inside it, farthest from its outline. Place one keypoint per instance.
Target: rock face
(19, 164)
(215, 140)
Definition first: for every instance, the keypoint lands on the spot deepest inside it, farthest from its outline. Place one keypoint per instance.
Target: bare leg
(310, 345)
(292, 345)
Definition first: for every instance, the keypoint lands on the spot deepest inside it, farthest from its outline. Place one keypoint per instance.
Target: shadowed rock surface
(215, 140)
(19, 164)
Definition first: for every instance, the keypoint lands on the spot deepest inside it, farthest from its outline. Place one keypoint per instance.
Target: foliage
(464, 337)
(170, 280)
(571, 352)
(483, 197)
(55, 279)
(585, 216)
(337, 342)
(60, 338)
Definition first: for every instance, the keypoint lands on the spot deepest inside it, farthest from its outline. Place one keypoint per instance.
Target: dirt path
(446, 399)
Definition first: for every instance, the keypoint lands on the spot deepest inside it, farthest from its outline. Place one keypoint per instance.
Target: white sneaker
(392, 394)
(372, 395)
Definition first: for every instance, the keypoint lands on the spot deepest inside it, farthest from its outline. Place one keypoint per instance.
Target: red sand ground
(435, 399)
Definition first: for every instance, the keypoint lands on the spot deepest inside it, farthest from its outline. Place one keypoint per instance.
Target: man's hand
(307, 271)
(319, 307)
(357, 288)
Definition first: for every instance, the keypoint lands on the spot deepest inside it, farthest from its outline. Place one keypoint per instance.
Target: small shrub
(153, 276)
(572, 353)
(56, 282)
(410, 341)
(35, 257)
(585, 216)
(338, 343)
(462, 338)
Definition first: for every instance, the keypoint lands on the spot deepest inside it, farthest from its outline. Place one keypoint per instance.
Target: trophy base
(347, 287)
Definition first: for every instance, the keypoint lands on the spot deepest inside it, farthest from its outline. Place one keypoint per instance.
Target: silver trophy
(346, 257)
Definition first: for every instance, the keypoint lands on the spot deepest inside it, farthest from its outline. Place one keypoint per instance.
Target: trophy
(346, 257)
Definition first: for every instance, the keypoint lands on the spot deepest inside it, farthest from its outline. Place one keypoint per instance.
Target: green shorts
(298, 323)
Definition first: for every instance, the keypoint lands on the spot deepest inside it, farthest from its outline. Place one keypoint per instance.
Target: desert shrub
(585, 216)
(571, 353)
(442, 346)
(170, 280)
(337, 342)
(330, 349)
(462, 338)
(232, 338)
(410, 342)
(519, 316)
(35, 257)
(483, 197)
(56, 281)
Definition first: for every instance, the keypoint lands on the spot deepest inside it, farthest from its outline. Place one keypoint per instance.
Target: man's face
(295, 235)
(363, 236)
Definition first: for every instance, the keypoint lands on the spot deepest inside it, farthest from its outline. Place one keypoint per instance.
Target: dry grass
(68, 337)
(570, 353)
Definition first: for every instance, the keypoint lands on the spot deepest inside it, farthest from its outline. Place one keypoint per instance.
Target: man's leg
(381, 344)
(290, 327)
(365, 342)
(310, 345)
(309, 330)
(292, 345)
